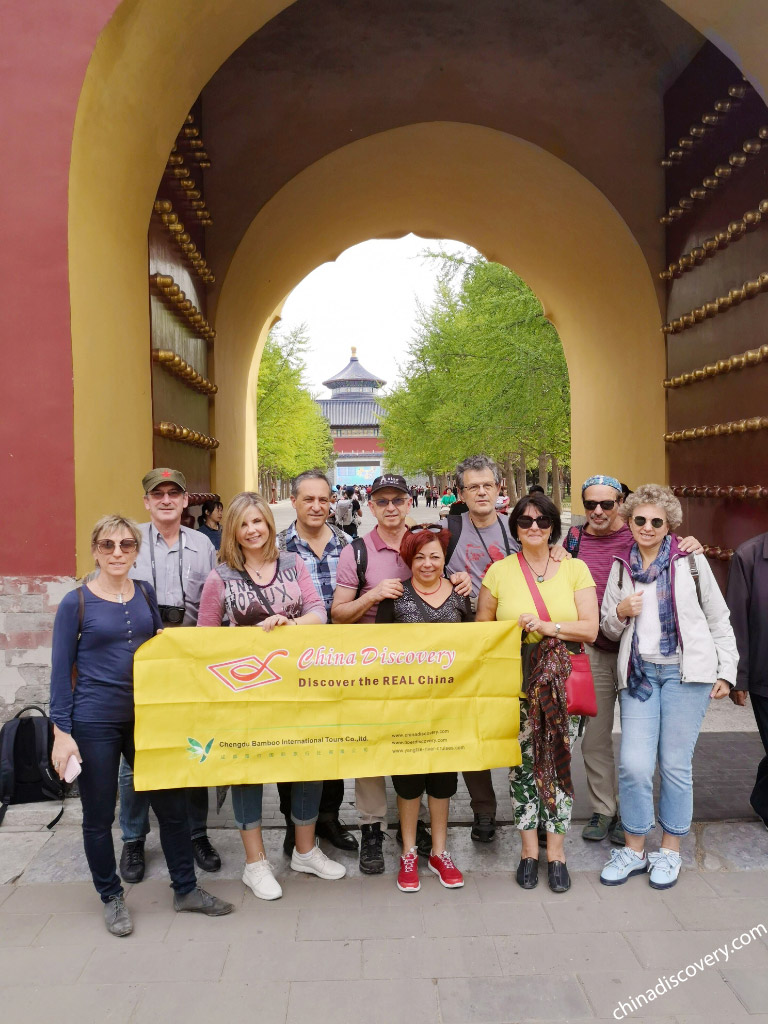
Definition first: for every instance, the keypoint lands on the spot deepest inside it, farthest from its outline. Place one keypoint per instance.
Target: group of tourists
(642, 602)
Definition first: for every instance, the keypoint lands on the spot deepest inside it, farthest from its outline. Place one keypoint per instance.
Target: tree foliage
(292, 433)
(485, 373)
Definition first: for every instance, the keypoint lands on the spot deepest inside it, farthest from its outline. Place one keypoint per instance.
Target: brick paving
(488, 953)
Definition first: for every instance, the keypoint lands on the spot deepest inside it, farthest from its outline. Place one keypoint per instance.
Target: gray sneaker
(597, 827)
(198, 901)
(117, 916)
(616, 832)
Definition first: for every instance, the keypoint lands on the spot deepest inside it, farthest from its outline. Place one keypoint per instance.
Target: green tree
(485, 373)
(292, 433)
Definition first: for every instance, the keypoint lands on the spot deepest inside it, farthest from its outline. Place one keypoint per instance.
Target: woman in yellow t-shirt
(541, 787)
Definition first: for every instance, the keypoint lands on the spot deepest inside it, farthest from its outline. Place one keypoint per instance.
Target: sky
(366, 298)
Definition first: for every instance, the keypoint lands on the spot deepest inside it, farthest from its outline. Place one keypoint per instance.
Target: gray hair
(309, 474)
(477, 463)
(653, 494)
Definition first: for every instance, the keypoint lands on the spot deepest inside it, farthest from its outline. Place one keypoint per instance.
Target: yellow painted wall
(151, 62)
(519, 206)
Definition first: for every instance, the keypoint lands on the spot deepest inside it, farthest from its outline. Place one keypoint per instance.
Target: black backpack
(26, 773)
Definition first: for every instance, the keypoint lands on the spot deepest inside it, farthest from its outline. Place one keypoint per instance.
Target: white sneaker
(260, 880)
(317, 864)
(665, 868)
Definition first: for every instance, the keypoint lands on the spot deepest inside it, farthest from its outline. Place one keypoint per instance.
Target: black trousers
(759, 798)
(330, 801)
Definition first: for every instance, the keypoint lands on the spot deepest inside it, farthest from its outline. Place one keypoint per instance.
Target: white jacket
(707, 644)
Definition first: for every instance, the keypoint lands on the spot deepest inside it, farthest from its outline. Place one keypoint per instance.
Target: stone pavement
(489, 953)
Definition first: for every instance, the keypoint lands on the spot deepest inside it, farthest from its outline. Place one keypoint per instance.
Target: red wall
(357, 444)
(46, 47)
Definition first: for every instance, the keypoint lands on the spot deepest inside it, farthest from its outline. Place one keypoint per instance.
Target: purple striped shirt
(598, 553)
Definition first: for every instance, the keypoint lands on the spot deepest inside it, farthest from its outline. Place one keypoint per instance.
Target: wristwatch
(557, 629)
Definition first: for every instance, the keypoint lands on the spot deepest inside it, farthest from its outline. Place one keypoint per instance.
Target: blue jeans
(666, 726)
(134, 808)
(305, 802)
(101, 744)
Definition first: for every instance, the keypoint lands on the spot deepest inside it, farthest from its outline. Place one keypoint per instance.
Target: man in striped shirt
(602, 537)
(319, 545)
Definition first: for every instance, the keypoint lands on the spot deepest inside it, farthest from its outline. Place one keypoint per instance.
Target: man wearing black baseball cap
(176, 560)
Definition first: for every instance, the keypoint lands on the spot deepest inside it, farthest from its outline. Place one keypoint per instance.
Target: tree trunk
(543, 481)
(509, 473)
(522, 483)
(557, 496)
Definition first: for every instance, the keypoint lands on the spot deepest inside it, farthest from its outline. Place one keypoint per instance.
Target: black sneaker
(371, 854)
(483, 828)
(423, 839)
(206, 857)
(336, 833)
(132, 865)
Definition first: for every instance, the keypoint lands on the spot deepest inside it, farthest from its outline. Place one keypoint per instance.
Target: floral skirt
(527, 809)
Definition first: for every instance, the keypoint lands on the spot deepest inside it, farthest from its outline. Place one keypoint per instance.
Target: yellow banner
(226, 706)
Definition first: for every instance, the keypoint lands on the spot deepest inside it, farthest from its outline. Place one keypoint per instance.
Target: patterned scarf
(550, 666)
(658, 570)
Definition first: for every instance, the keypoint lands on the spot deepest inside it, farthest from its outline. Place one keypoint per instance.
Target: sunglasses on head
(606, 505)
(106, 547)
(432, 527)
(656, 523)
(383, 502)
(526, 522)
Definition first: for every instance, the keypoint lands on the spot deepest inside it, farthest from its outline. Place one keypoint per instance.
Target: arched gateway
(275, 135)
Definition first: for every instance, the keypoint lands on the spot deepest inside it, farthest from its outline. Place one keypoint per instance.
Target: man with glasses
(319, 544)
(479, 537)
(603, 536)
(356, 600)
(177, 560)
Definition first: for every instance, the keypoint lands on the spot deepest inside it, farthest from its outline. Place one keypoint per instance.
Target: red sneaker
(408, 876)
(446, 870)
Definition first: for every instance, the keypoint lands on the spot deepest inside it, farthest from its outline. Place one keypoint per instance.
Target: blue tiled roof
(353, 373)
(351, 412)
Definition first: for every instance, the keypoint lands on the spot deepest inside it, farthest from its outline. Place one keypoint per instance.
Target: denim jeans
(330, 801)
(134, 808)
(246, 804)
(664, 727)
(101, 744)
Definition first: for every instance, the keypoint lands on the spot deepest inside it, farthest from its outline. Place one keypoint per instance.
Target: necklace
(539, 578)
(427, 593)
(111, 594)
(256, 571)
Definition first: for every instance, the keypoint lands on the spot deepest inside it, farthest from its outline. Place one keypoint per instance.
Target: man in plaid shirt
(318, 544)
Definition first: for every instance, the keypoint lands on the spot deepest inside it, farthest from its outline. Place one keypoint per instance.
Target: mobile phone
(72, 770)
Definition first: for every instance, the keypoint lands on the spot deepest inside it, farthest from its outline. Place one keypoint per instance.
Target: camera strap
(152, 542)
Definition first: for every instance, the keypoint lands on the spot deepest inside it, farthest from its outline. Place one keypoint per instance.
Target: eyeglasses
(656, 523)
(606, 505)
(432, 527)
(383, 502)
(526, 522)
(474, 488)
(106, 547)
(162, 495)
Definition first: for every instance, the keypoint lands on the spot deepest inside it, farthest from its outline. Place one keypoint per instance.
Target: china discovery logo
(247, 673)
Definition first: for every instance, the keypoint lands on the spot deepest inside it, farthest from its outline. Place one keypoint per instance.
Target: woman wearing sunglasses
(255, 584)
(97, 630)
(677, 652)
(541, 787)
(427, 597)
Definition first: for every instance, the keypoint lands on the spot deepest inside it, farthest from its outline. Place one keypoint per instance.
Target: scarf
(658, 570)
(550, 666)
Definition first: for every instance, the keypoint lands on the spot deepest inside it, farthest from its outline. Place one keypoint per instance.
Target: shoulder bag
(580, 686)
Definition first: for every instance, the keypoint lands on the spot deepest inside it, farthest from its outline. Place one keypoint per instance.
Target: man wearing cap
(384, 574)
(597, 542)
(177, 560)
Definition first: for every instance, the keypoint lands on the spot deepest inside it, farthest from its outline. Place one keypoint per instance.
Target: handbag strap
(538, 600)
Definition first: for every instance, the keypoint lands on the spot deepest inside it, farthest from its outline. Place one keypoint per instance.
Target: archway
(145, 53)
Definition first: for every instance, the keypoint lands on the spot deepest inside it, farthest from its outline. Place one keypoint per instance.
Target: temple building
(353, 415)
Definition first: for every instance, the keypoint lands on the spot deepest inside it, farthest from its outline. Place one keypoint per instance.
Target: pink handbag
(580, 686)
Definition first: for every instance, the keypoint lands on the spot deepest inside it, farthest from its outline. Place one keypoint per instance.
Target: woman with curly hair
(677, 652)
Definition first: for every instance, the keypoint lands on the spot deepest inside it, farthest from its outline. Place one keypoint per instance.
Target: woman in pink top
(257, 585)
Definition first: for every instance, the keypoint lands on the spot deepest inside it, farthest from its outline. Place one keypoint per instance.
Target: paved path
(330, 951)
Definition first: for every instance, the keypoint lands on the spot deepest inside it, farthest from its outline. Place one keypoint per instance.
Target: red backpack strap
(541, 608)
